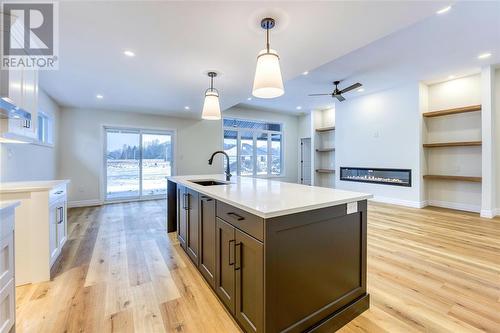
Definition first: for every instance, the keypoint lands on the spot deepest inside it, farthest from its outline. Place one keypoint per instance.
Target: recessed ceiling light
(484, 55)
(443, 10)
(360, 90)
(249, 98)
(129, 53)
(187, 108)
(451, 77)
(99, 96)
(299, 107)
(305, 73)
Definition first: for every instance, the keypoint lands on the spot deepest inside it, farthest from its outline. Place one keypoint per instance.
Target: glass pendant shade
(268, 82)
(211, 107)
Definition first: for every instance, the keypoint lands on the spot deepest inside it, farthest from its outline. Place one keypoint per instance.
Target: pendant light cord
(267, 37)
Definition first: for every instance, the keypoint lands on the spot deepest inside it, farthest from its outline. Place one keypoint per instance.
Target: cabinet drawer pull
(59, 192)
(231, 241)
(236, 216)
(237, 256)
(61, 216)
(206, 198)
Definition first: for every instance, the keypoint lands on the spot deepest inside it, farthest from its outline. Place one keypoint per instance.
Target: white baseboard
(455, 205)
(393, 201)
(84, 203)
(487, 213)
(496, 212)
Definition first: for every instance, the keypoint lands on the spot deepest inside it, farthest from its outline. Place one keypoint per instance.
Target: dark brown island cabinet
(302, 272)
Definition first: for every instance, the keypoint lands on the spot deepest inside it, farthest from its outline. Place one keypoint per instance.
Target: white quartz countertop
(270, 198)
(9, 204)
(31, 186)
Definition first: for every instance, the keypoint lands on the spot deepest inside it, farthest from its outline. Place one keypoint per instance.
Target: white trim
(84, 203)
(496, 212)
(487, 213)
(399, 202)
(455, 205)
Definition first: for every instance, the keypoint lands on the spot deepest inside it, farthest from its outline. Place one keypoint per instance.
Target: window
(45, 129)
(254, 147)
(138, 163)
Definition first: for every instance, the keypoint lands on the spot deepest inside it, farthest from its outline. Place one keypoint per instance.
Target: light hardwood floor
(429, 270)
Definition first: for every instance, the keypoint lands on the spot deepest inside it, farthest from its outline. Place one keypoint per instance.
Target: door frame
(141, 130)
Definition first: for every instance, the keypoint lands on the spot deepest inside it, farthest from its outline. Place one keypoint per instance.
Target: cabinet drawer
(6, 259)
(249, 223)
(7, 304)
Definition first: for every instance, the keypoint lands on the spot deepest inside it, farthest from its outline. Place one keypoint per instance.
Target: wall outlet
(352, 207)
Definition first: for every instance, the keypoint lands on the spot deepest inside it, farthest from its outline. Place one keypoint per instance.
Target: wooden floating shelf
(325, 129)
(453, 144)
(325, 170)
(457, 178)
(464, 109)
(324, 150)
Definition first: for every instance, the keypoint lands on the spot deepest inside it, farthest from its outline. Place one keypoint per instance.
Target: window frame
(47, 128)
(255, 133)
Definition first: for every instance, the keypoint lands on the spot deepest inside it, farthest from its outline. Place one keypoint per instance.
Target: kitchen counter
(4, 205)
(268, 198)
(281, 257)
(31, 186)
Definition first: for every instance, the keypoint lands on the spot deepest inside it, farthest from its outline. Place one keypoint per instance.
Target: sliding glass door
(138, 163)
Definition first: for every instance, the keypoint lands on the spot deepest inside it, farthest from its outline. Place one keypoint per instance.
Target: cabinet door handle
(236, 216)
(237, 257)
(185, 203)
(61, 215)
(188, 203)
(231, 247)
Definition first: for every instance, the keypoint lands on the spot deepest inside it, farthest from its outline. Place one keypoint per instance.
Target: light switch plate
(352, 207)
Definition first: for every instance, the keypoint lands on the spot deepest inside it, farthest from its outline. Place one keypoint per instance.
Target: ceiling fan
(338, 93)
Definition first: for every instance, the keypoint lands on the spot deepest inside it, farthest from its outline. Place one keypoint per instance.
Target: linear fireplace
(397, 177)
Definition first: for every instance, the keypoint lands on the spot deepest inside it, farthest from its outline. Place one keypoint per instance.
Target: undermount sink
(210, 182)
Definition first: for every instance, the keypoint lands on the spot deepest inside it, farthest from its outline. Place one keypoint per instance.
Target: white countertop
(31, 186)
(270, 198)
(9, 204)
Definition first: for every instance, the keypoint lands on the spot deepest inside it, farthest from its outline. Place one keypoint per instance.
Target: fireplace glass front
(398, 177)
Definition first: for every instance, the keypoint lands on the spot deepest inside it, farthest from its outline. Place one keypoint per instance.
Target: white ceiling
(429, 51)
(177, 42)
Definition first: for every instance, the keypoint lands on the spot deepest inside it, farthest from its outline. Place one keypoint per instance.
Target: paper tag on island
(352, 207)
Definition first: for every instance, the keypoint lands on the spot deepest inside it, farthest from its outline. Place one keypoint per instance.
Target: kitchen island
(281, 257)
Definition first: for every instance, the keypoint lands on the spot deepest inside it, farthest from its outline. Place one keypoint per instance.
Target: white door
(305, 161)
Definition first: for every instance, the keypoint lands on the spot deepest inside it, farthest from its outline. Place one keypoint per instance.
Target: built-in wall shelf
(446, 112)
(324, 150)
(455, 178)
(453, 144)
(325, 129)
(325, 171)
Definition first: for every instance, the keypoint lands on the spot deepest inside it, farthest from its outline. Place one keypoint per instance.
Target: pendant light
(211, 107)
(268, 82)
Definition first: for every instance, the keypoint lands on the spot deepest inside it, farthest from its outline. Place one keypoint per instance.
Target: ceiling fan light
(268, 82)
(211, 106)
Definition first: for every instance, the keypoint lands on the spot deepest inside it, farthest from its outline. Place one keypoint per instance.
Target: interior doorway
(305, 161)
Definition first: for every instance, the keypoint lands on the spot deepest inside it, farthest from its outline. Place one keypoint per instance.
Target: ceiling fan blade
(319, 95)
(354, 86)
(340, 97)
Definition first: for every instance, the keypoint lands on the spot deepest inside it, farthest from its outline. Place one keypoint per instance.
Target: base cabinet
(188, 222)
(57, 228)
(224, 274)
(302, 272)
(207, 239)
(249, 270)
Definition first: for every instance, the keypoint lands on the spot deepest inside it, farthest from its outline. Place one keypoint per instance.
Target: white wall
(21, 162)
(381, 130)
(497, 138)
(464, 161)
(290, 135)
(81, 149)
(304, 126)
